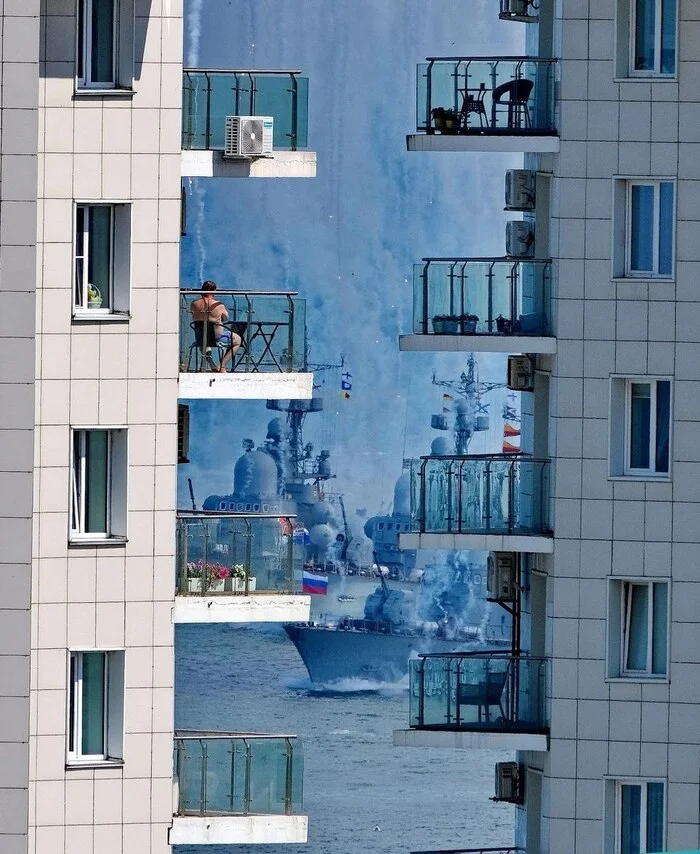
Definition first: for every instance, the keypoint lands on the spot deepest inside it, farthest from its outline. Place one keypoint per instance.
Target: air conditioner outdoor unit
(520, 189)
(508, 786)
(520, 238)
(248, 136)
(502, 579)
(517, 9)
(521, 373)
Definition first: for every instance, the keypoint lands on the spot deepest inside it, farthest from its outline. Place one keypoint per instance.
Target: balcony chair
(483, 694)
(201, 354)
(514, 94)
(473, 104)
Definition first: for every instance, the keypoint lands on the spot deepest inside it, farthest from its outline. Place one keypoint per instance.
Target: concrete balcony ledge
(206, 163)
(527, 143)
(477, 344)
(532, 544)
(245, 386)
(254, 608)
(239, 830)
(464, 740)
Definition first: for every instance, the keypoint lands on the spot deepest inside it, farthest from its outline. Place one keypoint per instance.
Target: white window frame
(118, 297)
(625, 33)
(116, 485)
(620, 427)
(654, 273)
(619, 613)
(656, 71)
(113, 709)
(84, 48)
(613, 811)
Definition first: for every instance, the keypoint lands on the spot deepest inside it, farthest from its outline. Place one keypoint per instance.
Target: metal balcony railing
(493, 691)
(494, 95)
(234, 553)
(481, 296)
(480, 494)
(256, 331)
(496, 850)
(211, 94)
(225, 773)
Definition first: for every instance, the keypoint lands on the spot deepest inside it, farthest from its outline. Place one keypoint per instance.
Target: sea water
(361, 794)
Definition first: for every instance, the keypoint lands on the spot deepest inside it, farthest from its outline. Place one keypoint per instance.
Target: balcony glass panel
(268, 327)
(486, 95)
(235, 554)
(478, 691)
(231, 774)
(484, 296)
(494, 494)
(209, 96)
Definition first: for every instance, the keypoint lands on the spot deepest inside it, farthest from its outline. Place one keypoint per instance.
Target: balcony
(238, 789)
(210, 95)
(494, 502)
(271, 359)
(496, 850)
(499, 103)
(493, 305)
(476, 700)
(237, 568)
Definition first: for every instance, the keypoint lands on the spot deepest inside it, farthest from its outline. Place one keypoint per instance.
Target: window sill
(647, 77)
(116, 92)
(91, 315)
(647, 680)
(90, 764)
(647, 477)
(642, 280)
(94, 542)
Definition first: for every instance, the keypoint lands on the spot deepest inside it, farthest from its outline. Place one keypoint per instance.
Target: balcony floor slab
(478, 542)
(461, 740)
(526, 143)
(477, 344)
(261, 608)
(245, 386)
(283, 164)
(239, 830)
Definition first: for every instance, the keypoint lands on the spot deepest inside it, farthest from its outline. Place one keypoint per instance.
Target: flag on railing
(312, 583)
(510, 430)
(346, 385)
(510, 449)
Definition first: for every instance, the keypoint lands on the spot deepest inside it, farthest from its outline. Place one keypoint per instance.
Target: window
(105, 46)
(96, 706)
(98, 484)
(638, 629)
(635, 812)
(102, 253)
(650, 220)
(647, 31)
(640, 427)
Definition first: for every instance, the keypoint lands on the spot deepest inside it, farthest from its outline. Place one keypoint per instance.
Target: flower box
(221, 585)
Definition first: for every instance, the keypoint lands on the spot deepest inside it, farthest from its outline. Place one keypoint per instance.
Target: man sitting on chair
(209, 316)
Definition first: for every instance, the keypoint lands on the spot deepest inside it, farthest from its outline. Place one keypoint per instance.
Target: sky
(348, 239)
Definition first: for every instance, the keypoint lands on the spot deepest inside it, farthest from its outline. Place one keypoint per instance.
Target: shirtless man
(212, 314)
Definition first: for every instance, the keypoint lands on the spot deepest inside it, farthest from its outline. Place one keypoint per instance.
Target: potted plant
(446, 324)
(468, 323)
(504, 325)
(450, 121)
(94, 297)
(438, 114)
(239, 574)
(208, 577)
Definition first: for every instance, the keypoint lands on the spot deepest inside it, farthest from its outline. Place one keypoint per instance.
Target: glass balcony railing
(220, 774)
(486, 95)
(242, 331)
(489, 494)
(481, 296)
(493, 691)
(229, 553)
(209, 95)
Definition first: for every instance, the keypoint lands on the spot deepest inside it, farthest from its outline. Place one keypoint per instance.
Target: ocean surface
(361, 794)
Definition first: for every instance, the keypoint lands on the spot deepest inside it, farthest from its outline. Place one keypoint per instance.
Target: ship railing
(481, 494)
(212, 94)
(476, 691)
(486, 95)
(234, 553)
(269, 328)
(482, 296)
(227, 773)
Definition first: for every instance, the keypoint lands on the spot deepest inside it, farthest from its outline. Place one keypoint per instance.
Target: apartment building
(593, 530)
(92, 156)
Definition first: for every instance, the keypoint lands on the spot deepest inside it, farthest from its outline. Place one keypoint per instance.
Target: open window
(98, 484)
(637, 629)
(105, 45)
(96, 707)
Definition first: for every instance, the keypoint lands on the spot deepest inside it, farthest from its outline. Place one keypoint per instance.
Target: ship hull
(331, 654)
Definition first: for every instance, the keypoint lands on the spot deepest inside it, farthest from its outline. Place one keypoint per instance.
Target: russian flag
(312, 583)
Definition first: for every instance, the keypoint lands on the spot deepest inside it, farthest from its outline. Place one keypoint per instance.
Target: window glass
(100, 250)
(660, 629)
(655, 817)
(102, 41)
(663, 424)
(96, 481)
(668, 36)
(642, 228)
(645, 35)
(637, 627)
(93, 704)
(666, 228)
(630, 819)
(640, 425)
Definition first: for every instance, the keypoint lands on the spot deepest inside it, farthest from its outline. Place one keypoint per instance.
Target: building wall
(630, 528)
(115, 148)
(19, 91)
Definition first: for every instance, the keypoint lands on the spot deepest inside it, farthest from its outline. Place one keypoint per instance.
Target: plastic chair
(514, 94)
(484, 695)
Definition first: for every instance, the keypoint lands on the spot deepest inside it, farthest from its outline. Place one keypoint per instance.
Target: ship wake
(348, 686)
